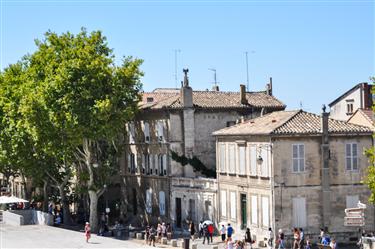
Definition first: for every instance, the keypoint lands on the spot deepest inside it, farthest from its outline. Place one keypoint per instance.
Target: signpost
(355, 216)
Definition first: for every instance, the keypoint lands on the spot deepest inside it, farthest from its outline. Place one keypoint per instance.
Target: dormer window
(150, 99)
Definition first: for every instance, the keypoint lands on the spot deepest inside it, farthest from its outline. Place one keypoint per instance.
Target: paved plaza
(34, 236)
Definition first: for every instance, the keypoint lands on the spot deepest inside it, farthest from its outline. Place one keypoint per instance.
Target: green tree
(78, 99)
(370, 153)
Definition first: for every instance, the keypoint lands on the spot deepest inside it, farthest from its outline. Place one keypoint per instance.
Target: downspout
(273, 226)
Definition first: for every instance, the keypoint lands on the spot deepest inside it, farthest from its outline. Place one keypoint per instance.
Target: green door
(243, 211)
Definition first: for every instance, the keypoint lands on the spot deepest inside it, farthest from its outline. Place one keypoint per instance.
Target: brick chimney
(243, 94)
(186, 92)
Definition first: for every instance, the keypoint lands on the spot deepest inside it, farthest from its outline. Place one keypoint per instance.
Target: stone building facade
(170, 150)
(292, 169)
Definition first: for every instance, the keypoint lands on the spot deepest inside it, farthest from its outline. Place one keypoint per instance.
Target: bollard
(182, 244)
(132, 235)
(164, 241)
(194, 246)
(174, 242)
(215, 247)
(139, 236)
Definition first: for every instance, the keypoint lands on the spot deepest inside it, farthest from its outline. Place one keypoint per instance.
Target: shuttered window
(223, 197)
(232, 159)
(233, 205)
(298, 158)
(254, 209)
(264, 167)
(351, 156)
(160, 130)
(265, 211)
(242, 160)
(253, 160)
(222, 157)
(131, 131)
(149, 200)
(162, 203)
(146, 131)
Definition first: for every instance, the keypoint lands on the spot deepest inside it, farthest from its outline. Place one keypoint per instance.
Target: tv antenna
(214, 70)
(247, 70)
(175, 65)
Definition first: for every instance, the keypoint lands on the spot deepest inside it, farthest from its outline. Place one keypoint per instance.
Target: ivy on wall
(195, 163)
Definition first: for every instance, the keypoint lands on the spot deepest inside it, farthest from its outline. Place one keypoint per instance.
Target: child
(87, 232)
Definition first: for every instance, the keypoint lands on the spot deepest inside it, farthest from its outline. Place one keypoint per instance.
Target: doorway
(178, 212)
(243, 211)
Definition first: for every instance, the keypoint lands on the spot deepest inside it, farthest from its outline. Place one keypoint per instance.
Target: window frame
(298, 158)
(351, 157)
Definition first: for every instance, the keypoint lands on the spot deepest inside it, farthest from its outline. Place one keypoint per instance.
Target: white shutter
(164, 164)
(242, 159)
(160, 130)
(233, 206)
(299, 212)
(352, 201)
(146, 131)
(355, 156)
(162, 203)
(265, 211)
(295, 158)
(265, 165)
(156, 165)
(223, 202)
(254, 209)
(253, 160)
(222, 157)
(144, 162)
(149, 200)
(129, 161)
(131, 131)
(232, 159)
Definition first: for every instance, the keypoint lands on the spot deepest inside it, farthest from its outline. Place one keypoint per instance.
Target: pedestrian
(200, 228)
(229, 243)
(270, 238)
(211, 231)
(222, 233)
(281, 238)
(152, 236)
(192, 230)
(169, 231)
(321, 236)
(248, 239)
(333, 244)
(206, 234)
(302, 239)
(164, 230)
(308, 244)
(147, 233)
(87, 232)
(297, 238)
(159, 232)
(229, 231)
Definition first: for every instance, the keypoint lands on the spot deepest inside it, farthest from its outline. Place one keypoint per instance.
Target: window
(149, 200)
(253, 160)
(132, 163)
(222, 157)
(162, 162)
(150, 99)
(265, 211)
(192, 209)
(146, 164)
(160, 130)
(242, 159)
(223, 202)
(230, 123)
(299, 212)
(298, 158)
(162, 203)
(349, 108)
(131, 131)
(155, 163)
(146, 131)
(352, 201)
(264, 167)
(351, 156)
(254, 209)
(232, 159)
(233, 205)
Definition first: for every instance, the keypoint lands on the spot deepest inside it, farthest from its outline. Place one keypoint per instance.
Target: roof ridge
(289, 119)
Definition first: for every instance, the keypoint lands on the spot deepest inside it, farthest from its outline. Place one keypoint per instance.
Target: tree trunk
(66, 213)
(45, 196)
(93, 210)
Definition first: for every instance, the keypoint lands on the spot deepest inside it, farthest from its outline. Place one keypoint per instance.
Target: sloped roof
(291, 123)
(210, 99)
(368, 118)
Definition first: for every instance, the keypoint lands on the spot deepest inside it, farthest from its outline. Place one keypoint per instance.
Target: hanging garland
(195, 163)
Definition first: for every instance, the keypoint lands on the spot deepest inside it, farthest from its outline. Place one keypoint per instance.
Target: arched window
(162, 202)
(149, 200)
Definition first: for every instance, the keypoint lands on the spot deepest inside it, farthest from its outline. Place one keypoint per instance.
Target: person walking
(333, 244)
(87, 232)
(211, 231)
(200, 228)
(222, 233)
(248, 239)
(281, 238)
(302, 238)
(229, 230)
(270, 238)
(152, 236)
(192, 230)
(164, 229)
(206, 234)
(297, 238)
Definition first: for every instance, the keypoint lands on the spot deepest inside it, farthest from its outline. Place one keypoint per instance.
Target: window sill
(264, 177)
(253, 176)
(232, 174)
(222, 173)
(242, 175)
(352, 171)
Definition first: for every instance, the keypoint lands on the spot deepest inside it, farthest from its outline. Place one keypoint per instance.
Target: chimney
(215, 88)
(269, 87)
(243, 94)
(186, 92)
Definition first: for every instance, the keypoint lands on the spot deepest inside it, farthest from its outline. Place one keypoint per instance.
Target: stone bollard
(174, 242)
(164, 241)
(182, 244)
(132, 235)
(140, 236)
(194, 246)
(215, 247)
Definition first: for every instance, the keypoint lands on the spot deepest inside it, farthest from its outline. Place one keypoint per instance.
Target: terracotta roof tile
(291, 123)
(210, 99)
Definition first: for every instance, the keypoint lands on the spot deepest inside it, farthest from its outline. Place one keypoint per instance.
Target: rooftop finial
(324, 108)
(186, 79)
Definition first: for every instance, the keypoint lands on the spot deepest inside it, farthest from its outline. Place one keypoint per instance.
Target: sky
(313, 50)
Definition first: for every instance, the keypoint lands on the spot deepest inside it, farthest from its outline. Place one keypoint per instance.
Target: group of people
(154, 235)
(206, 230)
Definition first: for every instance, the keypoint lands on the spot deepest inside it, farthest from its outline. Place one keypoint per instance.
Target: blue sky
(313, 50)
